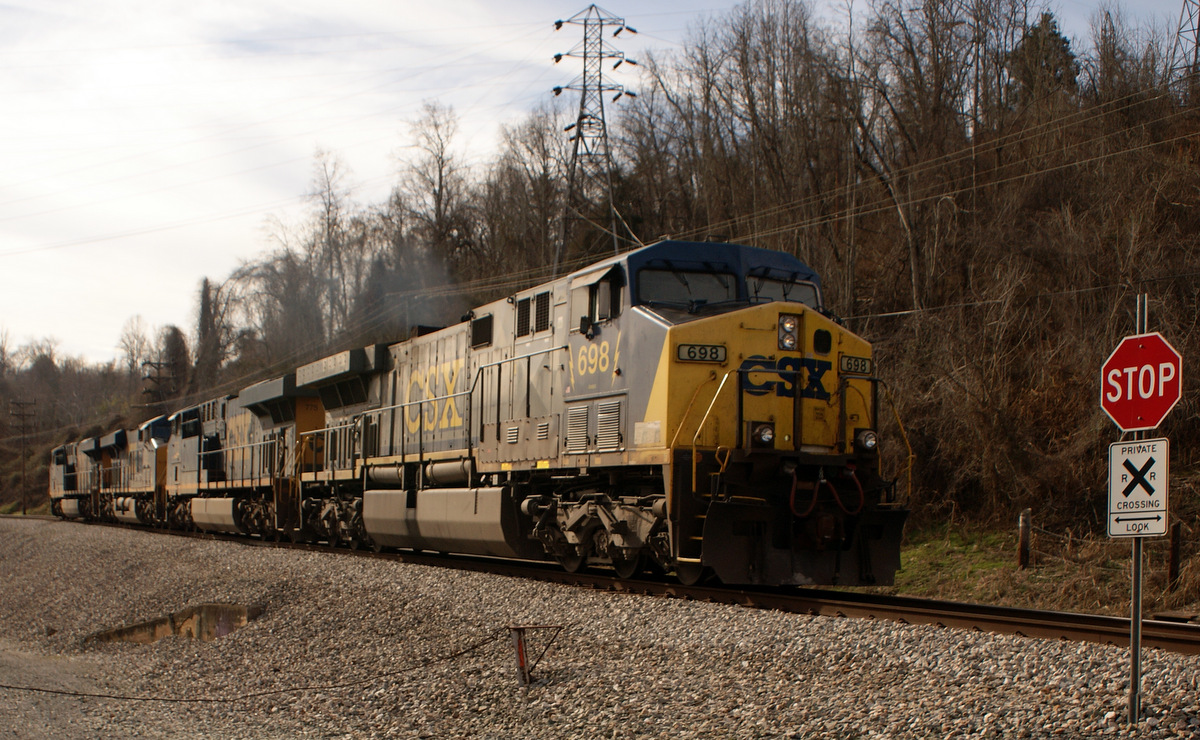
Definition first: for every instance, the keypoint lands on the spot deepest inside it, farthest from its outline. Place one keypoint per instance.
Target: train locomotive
(686, 406)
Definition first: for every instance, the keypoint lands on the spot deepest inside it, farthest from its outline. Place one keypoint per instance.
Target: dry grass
(1089, 574)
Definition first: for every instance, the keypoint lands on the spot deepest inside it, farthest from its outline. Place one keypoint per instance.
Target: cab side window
(598, 301)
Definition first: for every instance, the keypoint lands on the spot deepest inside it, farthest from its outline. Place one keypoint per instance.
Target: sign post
(1140, 383)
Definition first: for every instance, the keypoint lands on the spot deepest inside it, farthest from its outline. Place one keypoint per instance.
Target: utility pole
(589, 179)
(23, 410)
(1184, 63)
(163, 385)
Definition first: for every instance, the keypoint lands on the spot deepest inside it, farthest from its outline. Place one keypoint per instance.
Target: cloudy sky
(145, 144)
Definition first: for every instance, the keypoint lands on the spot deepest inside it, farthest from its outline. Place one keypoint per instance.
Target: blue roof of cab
(738, 259)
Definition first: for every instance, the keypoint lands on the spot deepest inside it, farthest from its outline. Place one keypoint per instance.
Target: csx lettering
(438, 384)
(789, 370)
(593, 358)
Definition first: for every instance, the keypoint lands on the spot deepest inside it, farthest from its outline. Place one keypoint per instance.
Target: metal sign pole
(1135, 636)
(1135, 616)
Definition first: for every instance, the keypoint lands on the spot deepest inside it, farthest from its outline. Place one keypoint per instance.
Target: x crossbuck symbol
(1139, 478)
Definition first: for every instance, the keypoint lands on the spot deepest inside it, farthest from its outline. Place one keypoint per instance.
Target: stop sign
(1141, 382)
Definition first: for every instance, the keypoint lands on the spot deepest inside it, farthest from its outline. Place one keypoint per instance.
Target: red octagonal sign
(1141, 382)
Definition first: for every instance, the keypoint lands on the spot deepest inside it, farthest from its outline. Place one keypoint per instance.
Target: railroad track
(1176, 636)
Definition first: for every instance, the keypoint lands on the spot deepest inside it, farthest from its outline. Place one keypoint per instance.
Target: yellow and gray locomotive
(687, 406)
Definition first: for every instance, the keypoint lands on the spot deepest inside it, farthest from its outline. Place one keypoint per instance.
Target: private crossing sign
(1137, 488)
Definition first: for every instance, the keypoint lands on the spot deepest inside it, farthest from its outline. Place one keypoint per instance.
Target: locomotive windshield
(679, 293)
(764, 288)
(685, 288)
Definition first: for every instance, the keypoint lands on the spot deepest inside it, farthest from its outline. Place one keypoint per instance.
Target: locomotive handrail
(378, 412)
(479, 373)
(467, 412)
(704, 420)
(325, 433)
(688, 411)
(393, 407)
(263, 446)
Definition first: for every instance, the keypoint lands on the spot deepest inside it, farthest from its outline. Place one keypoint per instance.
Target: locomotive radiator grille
(608, 426)
(577, 428)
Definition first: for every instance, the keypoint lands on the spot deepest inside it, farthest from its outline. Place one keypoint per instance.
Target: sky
(147, 144)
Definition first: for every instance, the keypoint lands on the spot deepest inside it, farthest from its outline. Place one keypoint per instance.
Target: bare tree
(434, 186)
(6, 359)
(215, 333)
(135, 346)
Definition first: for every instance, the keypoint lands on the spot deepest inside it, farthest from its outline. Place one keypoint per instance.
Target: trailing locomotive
(685, 405)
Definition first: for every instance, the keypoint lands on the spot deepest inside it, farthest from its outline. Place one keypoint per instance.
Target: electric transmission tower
(1184, 63)
(589, 179)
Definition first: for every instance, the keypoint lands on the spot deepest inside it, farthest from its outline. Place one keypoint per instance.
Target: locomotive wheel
(691, 574)
(571, 563)
(627, 569)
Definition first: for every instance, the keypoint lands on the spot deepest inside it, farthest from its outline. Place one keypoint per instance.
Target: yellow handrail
(688, 411)
(700, 428)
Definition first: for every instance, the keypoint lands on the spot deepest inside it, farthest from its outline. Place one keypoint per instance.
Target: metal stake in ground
(524, 666)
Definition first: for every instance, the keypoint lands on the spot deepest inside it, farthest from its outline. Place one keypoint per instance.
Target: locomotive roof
(152, 422)
(735, 258)
(115, 440)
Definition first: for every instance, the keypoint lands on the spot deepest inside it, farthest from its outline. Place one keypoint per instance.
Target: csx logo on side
(790, 372)
(437, 386)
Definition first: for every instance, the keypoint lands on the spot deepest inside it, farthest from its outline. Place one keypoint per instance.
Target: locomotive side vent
(523, 328)
(542, 316)
(543, 431)
(577, 428)
(513, 435)
(608, 426)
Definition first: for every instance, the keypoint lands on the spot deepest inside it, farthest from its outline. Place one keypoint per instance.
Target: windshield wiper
(686, 305)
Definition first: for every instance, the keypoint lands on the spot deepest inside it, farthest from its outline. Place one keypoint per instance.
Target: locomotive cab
(712, 373)
(63, 487)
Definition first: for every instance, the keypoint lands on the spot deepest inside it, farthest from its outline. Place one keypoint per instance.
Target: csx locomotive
(688, 406)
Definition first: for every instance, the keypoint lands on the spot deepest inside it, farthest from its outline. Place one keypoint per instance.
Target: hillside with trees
(982, 196)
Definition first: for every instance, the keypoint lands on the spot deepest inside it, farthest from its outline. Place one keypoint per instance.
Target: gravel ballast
(353, 647)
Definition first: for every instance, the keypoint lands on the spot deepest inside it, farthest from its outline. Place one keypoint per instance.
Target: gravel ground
(359, 648)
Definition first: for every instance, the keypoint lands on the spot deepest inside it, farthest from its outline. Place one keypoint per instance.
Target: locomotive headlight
(789, 326)
(763, 435)
(867, 440)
